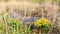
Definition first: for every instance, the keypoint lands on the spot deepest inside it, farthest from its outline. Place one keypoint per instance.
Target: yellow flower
(46, 21)
(42, 21)
(37, 22)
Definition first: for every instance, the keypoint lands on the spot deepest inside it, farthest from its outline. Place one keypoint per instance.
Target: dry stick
(5, 26)
(42, 13)
(13, 31)
(49, 31)
(39, 32)
(17, 30)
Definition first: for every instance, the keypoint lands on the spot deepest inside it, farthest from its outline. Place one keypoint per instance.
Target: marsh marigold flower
(42, 21)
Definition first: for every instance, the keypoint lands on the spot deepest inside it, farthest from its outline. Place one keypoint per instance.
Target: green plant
(21, 27)
(2, 27)
(2, 15)
(14, 24)
(43, 24)
(39, 1)
(17, 25)
(28, 29)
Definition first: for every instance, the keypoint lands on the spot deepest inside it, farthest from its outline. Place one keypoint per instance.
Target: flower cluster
(43, 23)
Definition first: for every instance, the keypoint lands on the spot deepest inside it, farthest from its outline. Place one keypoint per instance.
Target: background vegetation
(16, 15)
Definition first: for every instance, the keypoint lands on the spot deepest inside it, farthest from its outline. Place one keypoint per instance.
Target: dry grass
(31, 8)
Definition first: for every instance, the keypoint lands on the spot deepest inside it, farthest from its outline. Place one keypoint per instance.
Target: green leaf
(2, 27)
(3, 15)
(14, 24)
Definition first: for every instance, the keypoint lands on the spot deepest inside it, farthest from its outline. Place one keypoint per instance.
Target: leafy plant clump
(15, 23)
(43, 23)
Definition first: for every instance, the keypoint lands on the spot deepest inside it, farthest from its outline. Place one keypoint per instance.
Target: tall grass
(12, 26)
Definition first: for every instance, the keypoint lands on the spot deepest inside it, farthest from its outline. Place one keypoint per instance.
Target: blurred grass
(12, 26)
(15, 25)
(39, 1)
